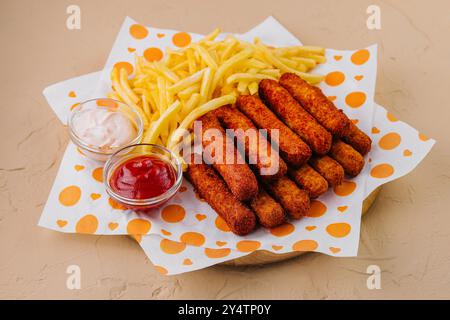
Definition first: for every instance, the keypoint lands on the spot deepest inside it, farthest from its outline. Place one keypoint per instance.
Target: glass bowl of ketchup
(142, 176)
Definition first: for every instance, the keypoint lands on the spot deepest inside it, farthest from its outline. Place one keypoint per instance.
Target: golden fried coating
(268, 163)
(295, 117)
(310, 180)
(293, 199)
(325, 112)
(292, 149)
(357, 139)
(237, 175)
(316, 103)
(269, 212)
(348, 158)
(328, 168)
(212, 188)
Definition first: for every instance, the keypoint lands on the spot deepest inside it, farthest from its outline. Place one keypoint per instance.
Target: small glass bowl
(133, 151)
(103, 153)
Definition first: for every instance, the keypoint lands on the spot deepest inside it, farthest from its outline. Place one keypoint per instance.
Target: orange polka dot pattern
(185, 234)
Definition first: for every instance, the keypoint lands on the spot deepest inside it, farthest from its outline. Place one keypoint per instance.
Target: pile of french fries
(171, 94)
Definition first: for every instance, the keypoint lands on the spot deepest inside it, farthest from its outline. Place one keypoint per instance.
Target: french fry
(205, 88)
(181, 65)
(162, 94)
(299, 50)
(166, 72)
(237, 77)
(227, 89)
(186, 93)
(191, 61)
(123, 78)
(150, 71)
(153, 133)
(155, 98)
(186, 141)
(154, 117)
(309, 63)
(271, 72)
(145, 106)
(253, 87)
(316, 57)
(186, 82)
(182, 73)
(204, 54)
(229, 64)
(169, 95)
(311, 78)
(228, 49)
(197, 113)
(124, 97)
(212, 35)
(288, 62)
(193, 101)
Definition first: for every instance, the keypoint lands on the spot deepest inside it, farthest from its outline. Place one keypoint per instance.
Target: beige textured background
(407, 232)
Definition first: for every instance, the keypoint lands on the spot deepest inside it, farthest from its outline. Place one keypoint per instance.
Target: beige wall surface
(406, 233)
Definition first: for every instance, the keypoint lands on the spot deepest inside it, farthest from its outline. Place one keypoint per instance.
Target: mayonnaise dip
(103, 128)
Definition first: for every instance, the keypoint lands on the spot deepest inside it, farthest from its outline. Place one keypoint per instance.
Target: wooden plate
(264, 257)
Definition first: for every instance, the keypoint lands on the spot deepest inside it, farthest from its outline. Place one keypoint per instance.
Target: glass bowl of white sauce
(100, 127)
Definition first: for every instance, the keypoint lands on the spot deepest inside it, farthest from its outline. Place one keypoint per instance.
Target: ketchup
(143, 177)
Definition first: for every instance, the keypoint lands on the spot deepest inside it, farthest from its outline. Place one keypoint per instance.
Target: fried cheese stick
(269, 212)
(293, 199)
(316, 103)
(292, 148)
(237, 175)
(295, 117)
(350, 159)
(268, 164)
(328, 168)
(357, 139)
(213, 189)
(325, 112)
(310, 180)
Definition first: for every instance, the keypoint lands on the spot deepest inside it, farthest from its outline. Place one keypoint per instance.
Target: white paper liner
(333, 230)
